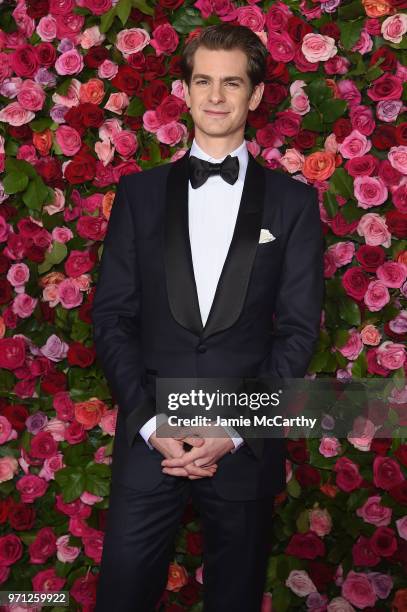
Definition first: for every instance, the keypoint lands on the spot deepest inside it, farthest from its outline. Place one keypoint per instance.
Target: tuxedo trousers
(139, 542)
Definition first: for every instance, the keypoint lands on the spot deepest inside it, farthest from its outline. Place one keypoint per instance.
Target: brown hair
(227, 36)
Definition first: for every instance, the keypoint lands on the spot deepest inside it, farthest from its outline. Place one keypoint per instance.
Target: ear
(256, 96)
(186, 92)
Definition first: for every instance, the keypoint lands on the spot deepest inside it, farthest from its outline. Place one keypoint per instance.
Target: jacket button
(201, 348)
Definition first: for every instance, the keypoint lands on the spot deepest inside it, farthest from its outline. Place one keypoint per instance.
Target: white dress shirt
(212, 213)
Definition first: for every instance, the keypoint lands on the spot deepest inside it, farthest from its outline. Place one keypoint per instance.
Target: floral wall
(90, 90)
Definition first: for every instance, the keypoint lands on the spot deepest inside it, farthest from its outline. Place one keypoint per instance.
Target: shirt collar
(241, 152)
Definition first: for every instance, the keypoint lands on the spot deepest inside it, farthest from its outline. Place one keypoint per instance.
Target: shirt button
(201, 348)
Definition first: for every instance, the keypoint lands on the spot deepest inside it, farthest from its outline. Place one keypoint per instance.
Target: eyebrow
(227, 78)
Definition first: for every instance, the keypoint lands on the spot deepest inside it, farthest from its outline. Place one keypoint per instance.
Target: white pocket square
(266, 236)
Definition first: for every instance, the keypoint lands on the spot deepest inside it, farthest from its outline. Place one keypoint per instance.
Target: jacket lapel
(234, 280)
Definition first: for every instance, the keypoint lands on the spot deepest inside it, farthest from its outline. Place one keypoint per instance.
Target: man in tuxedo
(187, 289)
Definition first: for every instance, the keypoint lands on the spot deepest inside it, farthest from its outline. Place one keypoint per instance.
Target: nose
(216, 93)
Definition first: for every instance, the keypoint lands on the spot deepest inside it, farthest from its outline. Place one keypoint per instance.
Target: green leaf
(63, 87)
(281, 598)
(142, 6)
(341, 337)
(71, 482)
(187, 18)
(349, 311)
(351, 11)
(123, 10)
(13, 182)
(312, 121)
(341, 183)
(107, 19)
(350, 32)
(359, 367)
(318, 92)
(302, 522)
(293, 488)
(41, 124)
(55, 256)
(330, 204)
(20, 166)
(135, 108)
(318, 362)
(36, 194)
(332, 109)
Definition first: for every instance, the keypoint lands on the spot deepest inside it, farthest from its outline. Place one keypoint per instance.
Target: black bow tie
(200, 170)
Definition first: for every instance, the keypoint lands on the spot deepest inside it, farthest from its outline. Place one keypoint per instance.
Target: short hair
(226, 36)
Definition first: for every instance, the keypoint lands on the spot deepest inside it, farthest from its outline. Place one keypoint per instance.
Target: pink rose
(165, 39)
(349, 92)
(31, 96)
(388, 110)
(125, 143)
(47, 28)
(47, 580)
(62, 234)
(354, 145)
(402, 527)
(117, 102)
(369, 191)
(292, 160)
(7, 433)
(69, 294)
(151, 122)
(376, 296)
(362, 119)
(358, 590)
(374, 229)
(400, 198)
(374, 513)
(353, 347)
(300, 583)
(65, 552)
(55, 349)
(18, 274)
(91, 37)
(50, 466)
(93, 544)
(329, 446)
(391, 355)
(320, 521)
(24, 305)
(8, 468)
(31, 487)
(342, 253)
(317, 47)
(394, 27)
(107, 70)
(68, 139)
(90, 499)
(132, 40)
(339, 604)
(370, 335)
(15, 114)
(108, 421)
(250, 16)
(392, 274)
(281, 46)
(172, 133)
(398, 158)
(70, 62)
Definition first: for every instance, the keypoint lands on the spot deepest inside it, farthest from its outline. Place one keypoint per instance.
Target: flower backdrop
(90, 90)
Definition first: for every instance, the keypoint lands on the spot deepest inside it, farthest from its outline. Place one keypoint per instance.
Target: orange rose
(377, 8)
(329, 490)
(333, 87)
(319, 166)
(177, 577)
(399, 603)
(2, 327)
(93, 91)
(42, 141)
(90, 412)
(402, 257)
(52, 278)
(370, 335)
(107, 203)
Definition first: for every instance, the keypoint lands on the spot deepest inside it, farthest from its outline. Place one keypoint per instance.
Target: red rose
(401, 133)
(297, 451)
(128, 80)
(6, 291)
(384, 137)
(80, 355)
(370, 257)
(274, 93)
(307, 475)
(297, 28)
(386, 472)
(373, 367)
(17, 414)
(154, 94)
(386, 87)
(84, 312)
(260, 117)
(74, 118)
(189, 594)
(347, 475)
(380, 446)
(305, 546)
(93, 228)
(83, 590)
(388, 174)
(21, 516)
(80, 170)
(95, 56)
(355, 283)
(342, 128)
(43, 547)
(93, 115)
(362, 553)
(321, 574)
(43, 445)
(288, 123)
(79, 262)
(46, 54)
(194, 543)
(53, 382)
(35, 253)
(305, 139)
(154, 67)
(330, 29)
(383, 542)
(389, 63)
(37, 8)
(170, 5)
(397, 223)
(12, 353)
(399, 493)
(50, 170)
(5, 505)
(170, 109)
(137, 61)
(11, 549)
(24, 61)
(174, 66)
(75, 433)
(366, 165)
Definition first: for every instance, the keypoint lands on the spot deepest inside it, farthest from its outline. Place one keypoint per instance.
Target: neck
(218, 148)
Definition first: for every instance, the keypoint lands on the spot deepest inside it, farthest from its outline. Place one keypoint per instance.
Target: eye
(234, 84)
(201, 81)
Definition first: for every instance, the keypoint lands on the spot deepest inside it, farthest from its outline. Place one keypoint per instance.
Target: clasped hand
(200, 461)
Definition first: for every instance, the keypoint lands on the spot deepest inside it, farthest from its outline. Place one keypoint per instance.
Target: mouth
(216, 113)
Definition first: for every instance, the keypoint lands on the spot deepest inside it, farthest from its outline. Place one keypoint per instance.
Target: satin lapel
(234, 279)
(181, 287)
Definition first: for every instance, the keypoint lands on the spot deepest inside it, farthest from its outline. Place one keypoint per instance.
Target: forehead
(219, 62)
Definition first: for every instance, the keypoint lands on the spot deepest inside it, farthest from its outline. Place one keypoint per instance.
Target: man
(187, 291)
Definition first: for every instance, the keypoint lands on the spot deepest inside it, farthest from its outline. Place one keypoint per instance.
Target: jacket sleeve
(115, 316)
(298, 303)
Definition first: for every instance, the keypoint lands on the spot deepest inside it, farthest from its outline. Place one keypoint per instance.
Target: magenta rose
(386, 87)
(31, 487)
(281, 46)
(384, 542)
(355, 282)
(165, 39)
(386, 473)
(12, 353)
(11, 549)
(305, 546)
(78, 262)
(347, 475)
(24, 61)
(68, 139)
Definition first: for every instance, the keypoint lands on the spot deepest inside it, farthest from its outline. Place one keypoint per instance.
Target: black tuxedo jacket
(264, 319)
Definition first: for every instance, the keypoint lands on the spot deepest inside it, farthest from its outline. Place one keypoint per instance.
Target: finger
(188, 457)
(194, 440)
(197, 471)
(175, 471)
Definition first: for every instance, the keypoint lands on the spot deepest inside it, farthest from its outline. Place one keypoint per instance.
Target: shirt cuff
(150, 427)
(236, 439)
